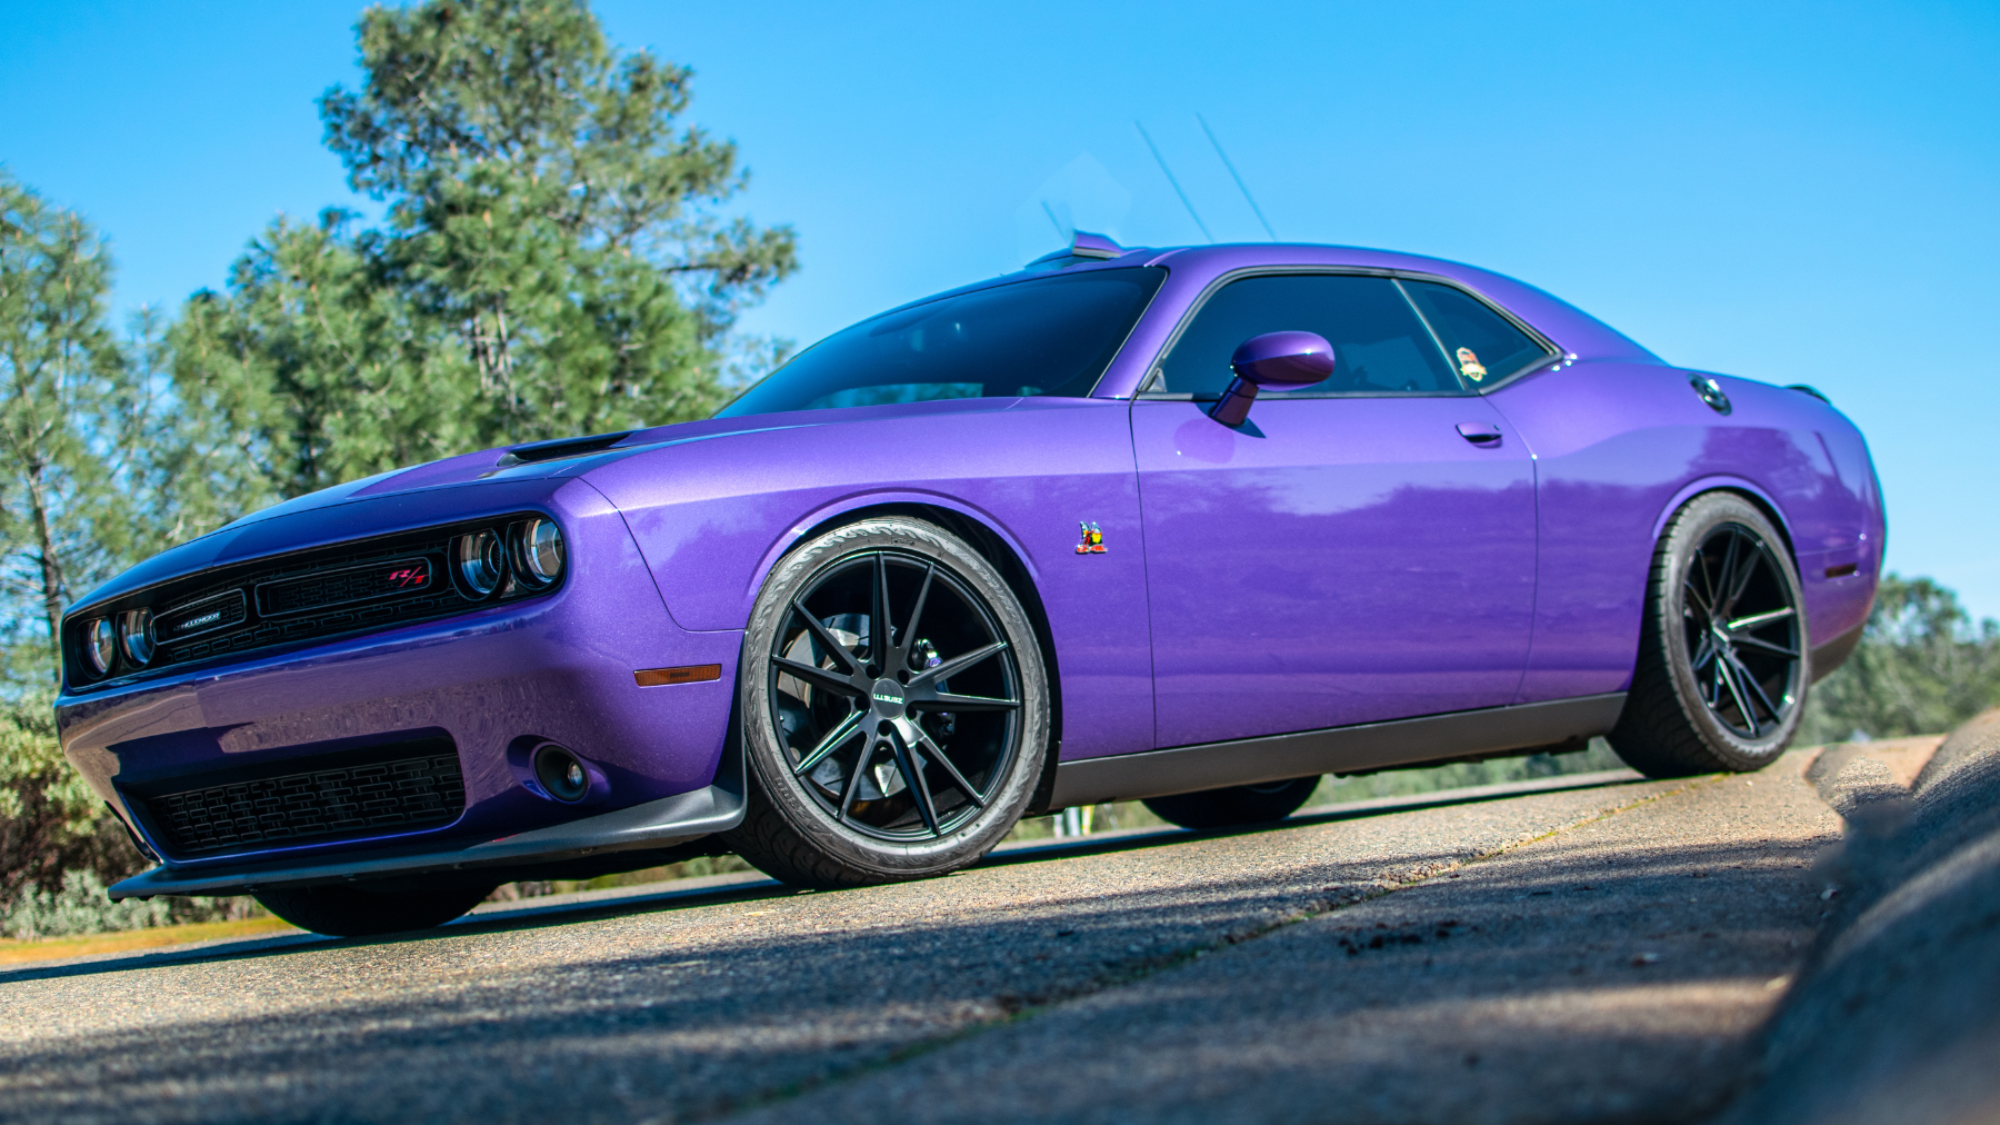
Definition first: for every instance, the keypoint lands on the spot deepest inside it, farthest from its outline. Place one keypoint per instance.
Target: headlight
(538, 551)
(135, 634)
(100, 644)
(481, 562)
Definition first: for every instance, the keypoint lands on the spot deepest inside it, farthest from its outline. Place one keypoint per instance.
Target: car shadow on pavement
(530, 913)
(509, 1022)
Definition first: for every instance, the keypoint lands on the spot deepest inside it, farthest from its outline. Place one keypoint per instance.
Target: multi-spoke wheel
(1722, 673)
(894, 708)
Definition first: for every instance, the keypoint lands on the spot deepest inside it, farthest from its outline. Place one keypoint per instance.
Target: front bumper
(653, 826)
(558, 669)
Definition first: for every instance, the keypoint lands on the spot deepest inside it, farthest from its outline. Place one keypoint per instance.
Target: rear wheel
(342, 911)
(1721, 678)
(1235, 805)
(895, 709)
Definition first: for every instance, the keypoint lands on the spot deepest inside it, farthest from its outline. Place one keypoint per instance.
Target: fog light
(561, 775)
(481, 562)
(100, 645)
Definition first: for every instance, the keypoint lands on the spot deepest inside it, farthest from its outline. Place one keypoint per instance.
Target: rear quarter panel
(1619, 447)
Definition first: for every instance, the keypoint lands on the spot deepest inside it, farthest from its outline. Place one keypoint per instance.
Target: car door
(1359, 551)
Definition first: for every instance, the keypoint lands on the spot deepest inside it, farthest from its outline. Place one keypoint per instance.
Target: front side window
(1482, 344)
(1048, 336)
(1380, 346)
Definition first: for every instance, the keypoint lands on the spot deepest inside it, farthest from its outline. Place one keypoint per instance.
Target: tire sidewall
(1690, 528)
(766, 755)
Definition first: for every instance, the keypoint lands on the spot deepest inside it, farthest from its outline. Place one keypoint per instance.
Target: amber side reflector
(686, 674)
(1843, 570)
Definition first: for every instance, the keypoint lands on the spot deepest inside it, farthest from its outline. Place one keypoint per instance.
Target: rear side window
(1482, 344)
(1380, 347)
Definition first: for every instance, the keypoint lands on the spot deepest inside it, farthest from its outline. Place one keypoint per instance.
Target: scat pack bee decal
(1469, 365)
(1093, 539)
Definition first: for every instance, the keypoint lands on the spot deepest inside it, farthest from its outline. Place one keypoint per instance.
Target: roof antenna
(1233, 174)
(1170, 179)
(1050, 212)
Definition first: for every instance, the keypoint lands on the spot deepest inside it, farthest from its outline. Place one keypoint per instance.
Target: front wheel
(1721, 678)
(1234, 806)
(895, 709)
(342, 911)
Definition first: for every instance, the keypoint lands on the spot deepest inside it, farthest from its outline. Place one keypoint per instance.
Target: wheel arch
(1746, 489)
(996, 548)
(1737, 486)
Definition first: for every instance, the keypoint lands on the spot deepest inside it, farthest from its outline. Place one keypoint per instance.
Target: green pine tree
(78, 416)
(1922, 668)
(551, 263)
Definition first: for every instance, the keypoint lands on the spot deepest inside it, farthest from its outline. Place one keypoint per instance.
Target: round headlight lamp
(539, 553)
(481, 561)
(135, 635)
(100, 644)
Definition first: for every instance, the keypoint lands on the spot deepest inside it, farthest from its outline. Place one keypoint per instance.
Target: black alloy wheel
(1741, 627)
(867, 712)
(895, 708)
(1722, 674)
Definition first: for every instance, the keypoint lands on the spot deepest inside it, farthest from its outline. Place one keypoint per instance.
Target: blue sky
(1795, 193)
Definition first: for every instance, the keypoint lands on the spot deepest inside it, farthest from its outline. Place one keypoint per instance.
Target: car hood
(501, 465)
(506, 476)
(572, 457)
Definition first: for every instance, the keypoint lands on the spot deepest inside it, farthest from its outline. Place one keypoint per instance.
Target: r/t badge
(1093, 540)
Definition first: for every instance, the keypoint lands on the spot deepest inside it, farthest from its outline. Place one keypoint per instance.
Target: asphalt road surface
(1597, 949)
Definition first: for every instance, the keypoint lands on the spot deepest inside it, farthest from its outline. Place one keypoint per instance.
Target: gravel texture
(1568, 954)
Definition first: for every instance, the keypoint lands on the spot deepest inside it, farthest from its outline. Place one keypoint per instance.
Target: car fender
(875, 499)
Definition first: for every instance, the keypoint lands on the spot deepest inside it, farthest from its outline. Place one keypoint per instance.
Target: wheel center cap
(888, 697)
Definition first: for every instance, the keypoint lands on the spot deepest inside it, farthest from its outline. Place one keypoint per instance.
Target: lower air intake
(391, 790)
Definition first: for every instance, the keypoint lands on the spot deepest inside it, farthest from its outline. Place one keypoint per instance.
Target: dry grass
(125, 941)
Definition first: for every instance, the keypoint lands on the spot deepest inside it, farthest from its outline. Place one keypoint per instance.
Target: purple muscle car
(1194, 526)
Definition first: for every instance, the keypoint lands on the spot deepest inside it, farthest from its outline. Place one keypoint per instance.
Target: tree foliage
(78, 417)
(50, 821)
(552, 261)
(1921, 668)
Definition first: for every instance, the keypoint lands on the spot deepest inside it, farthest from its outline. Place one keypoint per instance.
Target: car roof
(1575, 331)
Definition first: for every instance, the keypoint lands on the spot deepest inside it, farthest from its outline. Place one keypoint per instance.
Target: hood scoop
(560, 447)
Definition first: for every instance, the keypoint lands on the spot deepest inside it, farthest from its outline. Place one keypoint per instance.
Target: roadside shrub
(79, 907)
(1922, 667)
(60, 847)
(50, 822)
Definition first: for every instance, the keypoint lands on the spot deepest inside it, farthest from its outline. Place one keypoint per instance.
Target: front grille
(213, 614)
(345, 586)
(234, 611)
(391, 789)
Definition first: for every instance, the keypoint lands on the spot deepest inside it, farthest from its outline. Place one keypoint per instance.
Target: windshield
(1049, 336)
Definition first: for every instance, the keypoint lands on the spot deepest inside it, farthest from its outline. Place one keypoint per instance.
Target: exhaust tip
(561, 774)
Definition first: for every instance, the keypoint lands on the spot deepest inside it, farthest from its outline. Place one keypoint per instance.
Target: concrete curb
(1895, 1016)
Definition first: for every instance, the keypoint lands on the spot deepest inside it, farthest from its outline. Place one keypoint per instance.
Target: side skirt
(1370, 746)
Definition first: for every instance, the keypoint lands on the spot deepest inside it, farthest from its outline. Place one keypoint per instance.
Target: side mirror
(1282, 361)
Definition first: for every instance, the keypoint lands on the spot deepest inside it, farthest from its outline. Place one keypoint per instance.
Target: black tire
(1234, 806)
(858, 773)
(343, 911)
(1714, 690)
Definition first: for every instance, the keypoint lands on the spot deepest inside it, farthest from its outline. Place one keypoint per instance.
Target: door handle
(1479, 433)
